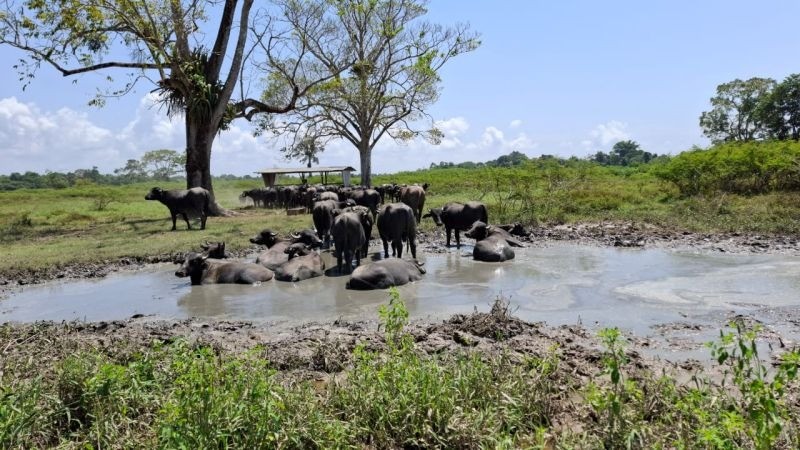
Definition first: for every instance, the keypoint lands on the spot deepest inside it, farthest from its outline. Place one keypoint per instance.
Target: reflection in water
(559, 284)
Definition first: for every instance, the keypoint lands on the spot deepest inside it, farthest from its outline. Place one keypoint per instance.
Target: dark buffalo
(493, 244)
(367, 197)
(348, 237)
(275, 255)
(366, 223)
(323, 214)
(514, 229)
(414, 196)
(264, 197)
(195, 202)
(396, 223)
(303, 264)
(458, 217)
(385, 273)
(204, 270)
(215, 250)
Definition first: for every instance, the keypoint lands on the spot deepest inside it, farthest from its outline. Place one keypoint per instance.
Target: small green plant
(394, 318)
(759, 409)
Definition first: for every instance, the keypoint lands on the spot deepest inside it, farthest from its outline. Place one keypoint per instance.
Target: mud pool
(560, 284)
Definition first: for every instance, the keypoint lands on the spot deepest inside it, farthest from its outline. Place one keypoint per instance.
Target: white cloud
(610, 132)
(64, 140)
(515, 123)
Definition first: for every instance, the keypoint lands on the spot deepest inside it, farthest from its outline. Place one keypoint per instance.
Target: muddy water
(631, 288)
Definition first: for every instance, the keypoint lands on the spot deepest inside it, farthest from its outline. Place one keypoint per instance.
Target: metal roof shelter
(270, 175)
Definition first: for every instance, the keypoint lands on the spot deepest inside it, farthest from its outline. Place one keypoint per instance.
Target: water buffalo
(366, 197)
(204, 270)
(323, 215)
(265, 197)
(327, 195)
(303, 264)
(215, 250)
(414, 196)
(385, 273)
(366, 224)
(348, 236)
(275, 255)
(493, 244)
(514, 229)
(195, 201)
(396, 223)
(458, 217)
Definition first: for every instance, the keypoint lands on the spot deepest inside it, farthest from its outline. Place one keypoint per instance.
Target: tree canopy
(395, 60)
(165, 43)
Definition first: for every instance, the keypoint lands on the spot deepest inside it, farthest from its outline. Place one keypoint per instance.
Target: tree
(624, 153)
(396, 59)
(779, 110)
(164, 40)
(163, 164)
(133, 171)
(734, 115)
(305, 151)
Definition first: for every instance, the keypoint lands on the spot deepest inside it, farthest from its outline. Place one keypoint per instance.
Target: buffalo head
(307, 237)
(436, 215)
(155, 194)
(297, 249)
(479, 231)
(192, 266)
(265, 237)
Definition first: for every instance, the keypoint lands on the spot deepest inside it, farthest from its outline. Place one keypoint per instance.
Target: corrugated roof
(307, 170)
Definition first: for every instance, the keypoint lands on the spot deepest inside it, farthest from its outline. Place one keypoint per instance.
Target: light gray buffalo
(348, 237)
(396, 224)
(458, 217)
(385, 273)
(276, 255)
(193, 202)
(414, 196)
(204, 270)
(493, 244)
(304, 263)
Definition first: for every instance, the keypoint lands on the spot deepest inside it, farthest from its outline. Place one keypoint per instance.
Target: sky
(566, 78)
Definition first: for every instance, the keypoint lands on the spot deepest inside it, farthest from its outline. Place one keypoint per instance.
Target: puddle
(560, 284)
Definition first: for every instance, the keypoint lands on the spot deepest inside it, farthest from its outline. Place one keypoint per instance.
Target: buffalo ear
(273, 234)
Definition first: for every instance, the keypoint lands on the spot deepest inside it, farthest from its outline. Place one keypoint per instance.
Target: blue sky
(564, 78)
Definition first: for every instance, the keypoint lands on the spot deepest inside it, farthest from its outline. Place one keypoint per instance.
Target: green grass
(45, 228)
(178, 395)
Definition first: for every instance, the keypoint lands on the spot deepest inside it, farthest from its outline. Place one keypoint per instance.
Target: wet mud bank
(612, 234)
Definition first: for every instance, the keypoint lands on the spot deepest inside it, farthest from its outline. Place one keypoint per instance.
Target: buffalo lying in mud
(204, 270)
(396, 223)
(514, 229)
(186, 202)
(385, 273)
(215, 250)
(303, 264)
(493, 244)
(276, 255)
(458, 217)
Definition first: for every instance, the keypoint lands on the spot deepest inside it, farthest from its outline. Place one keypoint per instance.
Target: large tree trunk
(365, 153)
(199, 138)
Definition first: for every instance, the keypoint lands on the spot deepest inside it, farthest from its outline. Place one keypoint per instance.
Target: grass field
(45, 228)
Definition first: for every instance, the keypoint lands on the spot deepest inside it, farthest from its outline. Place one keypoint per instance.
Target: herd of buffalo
(343, 219)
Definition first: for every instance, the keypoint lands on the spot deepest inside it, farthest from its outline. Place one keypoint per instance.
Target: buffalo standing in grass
(458, 217)
(493, 244)
(204, 270)
(276, 255)
(396, 224)
(186, 202)
(385, 273)
(348, 237)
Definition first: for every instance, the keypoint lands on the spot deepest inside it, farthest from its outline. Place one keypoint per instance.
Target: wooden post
(269, 179)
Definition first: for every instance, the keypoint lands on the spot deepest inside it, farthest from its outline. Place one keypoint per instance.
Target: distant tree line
(155, 165)
(512, 159)
(624, 153)
(754, 109)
